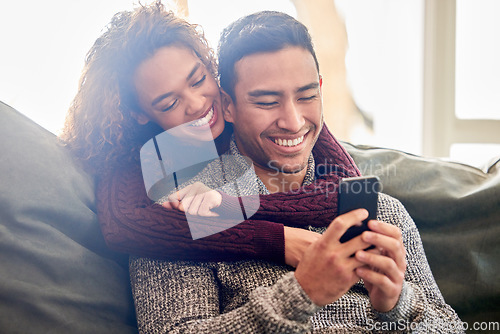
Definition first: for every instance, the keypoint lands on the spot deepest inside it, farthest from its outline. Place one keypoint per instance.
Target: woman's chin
(218, 128)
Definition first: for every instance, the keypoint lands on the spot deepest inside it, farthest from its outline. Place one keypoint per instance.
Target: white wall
(385, 66)
(43, 47)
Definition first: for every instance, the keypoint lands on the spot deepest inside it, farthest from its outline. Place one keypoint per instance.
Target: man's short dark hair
(265, 31)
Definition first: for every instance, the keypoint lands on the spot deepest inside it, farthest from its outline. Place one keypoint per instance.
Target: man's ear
(228, 107)
(321, 89)
(140, 118)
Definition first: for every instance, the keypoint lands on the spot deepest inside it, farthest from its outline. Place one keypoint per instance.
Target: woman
(151, 71)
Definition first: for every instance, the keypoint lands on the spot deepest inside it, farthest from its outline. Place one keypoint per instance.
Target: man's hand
(195, 199)
(385, 267)
(327, 269)
(297, 240)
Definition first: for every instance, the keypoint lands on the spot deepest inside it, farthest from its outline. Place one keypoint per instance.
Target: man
(272, 85)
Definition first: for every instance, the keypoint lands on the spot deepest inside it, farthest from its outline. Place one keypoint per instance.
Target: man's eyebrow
(263, 92)
(313, 85)
(164, 96)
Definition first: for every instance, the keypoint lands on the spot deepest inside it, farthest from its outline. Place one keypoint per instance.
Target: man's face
(277, 114)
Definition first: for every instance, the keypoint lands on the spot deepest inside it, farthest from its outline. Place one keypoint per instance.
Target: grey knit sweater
(262, 297)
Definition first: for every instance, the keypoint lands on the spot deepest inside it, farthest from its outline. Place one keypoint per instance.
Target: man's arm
(420, 303)
(190, 297)
(186, 297)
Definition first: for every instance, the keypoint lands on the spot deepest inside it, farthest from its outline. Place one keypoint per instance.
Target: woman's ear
(228, 107)
(140, 118)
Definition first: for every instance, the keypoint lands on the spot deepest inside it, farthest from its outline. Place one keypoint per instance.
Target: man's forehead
(264, 55)
(285, 66)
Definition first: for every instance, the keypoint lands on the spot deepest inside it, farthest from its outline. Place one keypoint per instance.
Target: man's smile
(289, 143)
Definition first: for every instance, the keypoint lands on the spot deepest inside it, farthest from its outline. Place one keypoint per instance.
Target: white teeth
(289, 142)
(204, 120)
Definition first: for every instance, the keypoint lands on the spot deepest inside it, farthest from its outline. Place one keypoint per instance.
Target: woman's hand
(195, 199)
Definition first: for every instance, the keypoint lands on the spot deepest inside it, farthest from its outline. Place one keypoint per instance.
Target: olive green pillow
(457, 210)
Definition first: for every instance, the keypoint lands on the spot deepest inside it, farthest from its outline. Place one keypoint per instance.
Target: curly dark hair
(100, 128)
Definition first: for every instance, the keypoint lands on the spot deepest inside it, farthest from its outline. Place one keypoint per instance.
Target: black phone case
(356, 193)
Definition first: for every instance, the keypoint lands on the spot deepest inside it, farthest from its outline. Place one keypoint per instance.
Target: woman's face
(173, 88)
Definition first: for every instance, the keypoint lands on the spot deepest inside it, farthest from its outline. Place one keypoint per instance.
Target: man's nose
(195, 103)
(291, 118)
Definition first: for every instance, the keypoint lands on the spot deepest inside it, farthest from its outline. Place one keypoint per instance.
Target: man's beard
(287, 169)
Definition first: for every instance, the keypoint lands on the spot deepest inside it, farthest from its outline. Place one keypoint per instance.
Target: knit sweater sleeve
(133, 224)
(165, 293)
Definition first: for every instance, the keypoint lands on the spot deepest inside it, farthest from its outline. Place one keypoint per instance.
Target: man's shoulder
(392, 211)
(386, 201)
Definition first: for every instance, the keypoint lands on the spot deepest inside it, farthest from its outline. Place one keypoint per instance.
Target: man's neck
(280, 182)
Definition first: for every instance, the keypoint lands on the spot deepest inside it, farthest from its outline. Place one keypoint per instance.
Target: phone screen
(356, 193)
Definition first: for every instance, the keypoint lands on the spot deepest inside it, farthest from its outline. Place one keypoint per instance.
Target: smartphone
(356, 193)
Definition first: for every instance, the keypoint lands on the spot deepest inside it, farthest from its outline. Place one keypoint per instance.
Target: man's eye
(170, 107)
(266, 104)
(308, 98)
(199, 82)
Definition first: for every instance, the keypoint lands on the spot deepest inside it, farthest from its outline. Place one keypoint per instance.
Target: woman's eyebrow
(193, 71)
(164, 96)
(159, 98)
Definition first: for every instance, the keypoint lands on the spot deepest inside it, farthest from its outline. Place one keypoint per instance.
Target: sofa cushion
(57, 275)
(457, 210)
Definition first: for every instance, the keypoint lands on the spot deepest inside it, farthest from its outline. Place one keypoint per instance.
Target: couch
(58, 276)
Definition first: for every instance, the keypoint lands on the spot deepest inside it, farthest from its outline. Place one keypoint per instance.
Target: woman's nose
(195, 103)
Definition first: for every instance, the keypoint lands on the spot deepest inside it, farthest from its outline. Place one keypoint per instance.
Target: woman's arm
(132, 223)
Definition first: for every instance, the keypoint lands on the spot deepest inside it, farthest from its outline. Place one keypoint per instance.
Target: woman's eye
(199, 82)
(170, 107)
